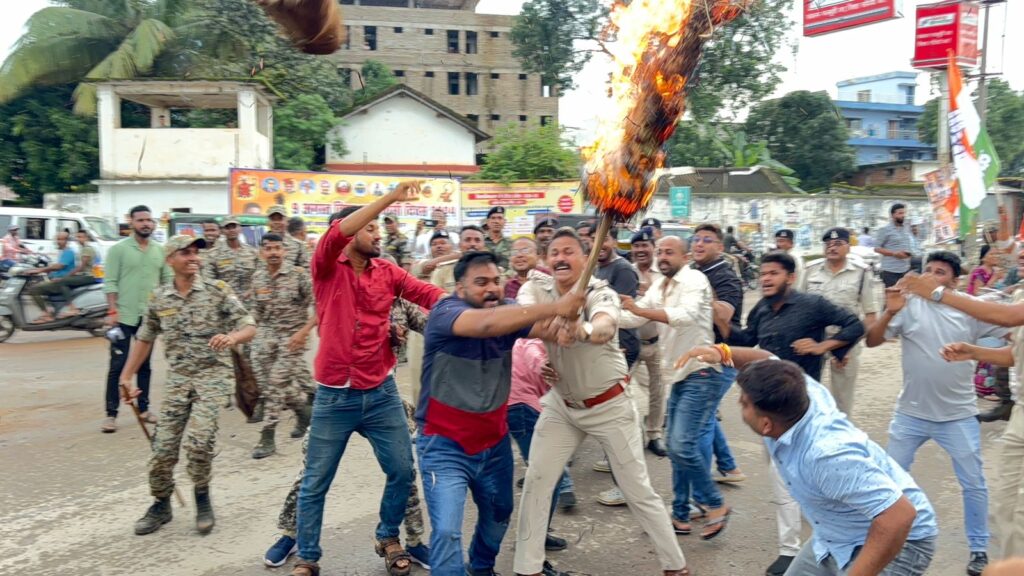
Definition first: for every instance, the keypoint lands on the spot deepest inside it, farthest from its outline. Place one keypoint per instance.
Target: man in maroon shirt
(354, 291)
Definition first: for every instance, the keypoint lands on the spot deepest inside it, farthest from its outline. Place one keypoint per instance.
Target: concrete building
(402, 131)
(445, 50)
(168, 168)
(882, 118)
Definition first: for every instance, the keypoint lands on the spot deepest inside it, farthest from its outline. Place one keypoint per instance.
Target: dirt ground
(69, 494)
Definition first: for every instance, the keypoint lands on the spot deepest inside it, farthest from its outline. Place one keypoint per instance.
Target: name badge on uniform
(264, 293)
(167, 312)
(225, 262)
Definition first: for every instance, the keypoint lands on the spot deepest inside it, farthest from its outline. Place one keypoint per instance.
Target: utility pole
(983, 73)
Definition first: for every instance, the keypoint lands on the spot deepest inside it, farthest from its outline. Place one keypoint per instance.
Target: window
(399, 73)
(428, 74)
(894, 129)
(453, 83)
(470, 42)
(854, 125)
(522, 118)
(471, 86)
(369, 37)
(398, 30)
(545, 120)
(522, 76)
(864, 96)
(348, 37)
(495, 76)
(495, 34)
(545, 91)
(70, 225)
(453, 41)
(909, 94)
(428, 31)
(474, 118)
(495, 117)
(34, 229)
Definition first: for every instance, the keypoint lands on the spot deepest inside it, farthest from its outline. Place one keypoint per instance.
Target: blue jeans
(448, 472)
(378, 415)
(713, 441)
(691, 407)
(961, 439)
(913, 560)
(522, 419)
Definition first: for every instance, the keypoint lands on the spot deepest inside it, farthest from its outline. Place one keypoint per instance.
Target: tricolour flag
(974, 157)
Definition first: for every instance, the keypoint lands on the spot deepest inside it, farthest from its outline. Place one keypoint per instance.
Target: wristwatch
(588, 330)
(937, 293)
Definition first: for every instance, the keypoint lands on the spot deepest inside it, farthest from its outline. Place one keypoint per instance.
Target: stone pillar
(159, 117)
(108, 108)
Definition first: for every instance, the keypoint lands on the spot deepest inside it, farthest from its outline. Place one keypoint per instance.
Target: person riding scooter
(64, 275)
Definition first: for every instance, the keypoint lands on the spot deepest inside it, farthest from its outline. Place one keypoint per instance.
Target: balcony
(870, 97)
(890, 134)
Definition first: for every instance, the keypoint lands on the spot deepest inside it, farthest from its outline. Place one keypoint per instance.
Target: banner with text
(942, 193)
(522, 201)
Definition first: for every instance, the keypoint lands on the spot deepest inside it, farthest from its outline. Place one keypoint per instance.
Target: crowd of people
(505, 346)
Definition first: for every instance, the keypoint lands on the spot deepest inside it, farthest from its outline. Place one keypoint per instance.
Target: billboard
(522, 201)
(824, 16)
(944, 27)
(316, 195)
(942, 193)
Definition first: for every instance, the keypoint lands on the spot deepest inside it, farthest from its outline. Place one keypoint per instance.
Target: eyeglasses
(523, 252)
(704, 240)
(835, 243)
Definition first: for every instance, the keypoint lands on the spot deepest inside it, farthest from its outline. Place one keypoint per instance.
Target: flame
(656, 48)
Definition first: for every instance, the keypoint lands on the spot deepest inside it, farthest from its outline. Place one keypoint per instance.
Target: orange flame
(656, 48)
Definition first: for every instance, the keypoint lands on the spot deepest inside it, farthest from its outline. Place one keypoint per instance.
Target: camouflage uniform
(397, 246)
(409, 316)
(281, 307)
(236, 267)
(295, 252)
(502, 249)
(199, 379)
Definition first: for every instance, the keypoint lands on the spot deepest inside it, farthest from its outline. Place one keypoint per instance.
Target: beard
(143, 233)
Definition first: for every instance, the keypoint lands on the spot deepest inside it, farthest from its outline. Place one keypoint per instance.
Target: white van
(39, 228)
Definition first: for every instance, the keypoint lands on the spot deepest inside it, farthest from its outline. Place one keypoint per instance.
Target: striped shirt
(897, 239)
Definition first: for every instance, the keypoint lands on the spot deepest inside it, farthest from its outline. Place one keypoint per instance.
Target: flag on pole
(974, 157)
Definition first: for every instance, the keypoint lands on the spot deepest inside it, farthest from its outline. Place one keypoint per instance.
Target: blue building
(882, 118)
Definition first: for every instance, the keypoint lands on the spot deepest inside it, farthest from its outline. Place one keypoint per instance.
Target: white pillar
(159, 117)
(108, 107)
(247, 154)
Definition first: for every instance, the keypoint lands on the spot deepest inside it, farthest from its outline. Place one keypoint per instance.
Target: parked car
(39, 228)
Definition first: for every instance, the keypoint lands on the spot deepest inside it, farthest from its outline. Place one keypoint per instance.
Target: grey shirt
(897, 239)
(934, 389)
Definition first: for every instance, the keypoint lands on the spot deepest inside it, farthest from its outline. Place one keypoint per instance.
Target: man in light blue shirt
(868, 515)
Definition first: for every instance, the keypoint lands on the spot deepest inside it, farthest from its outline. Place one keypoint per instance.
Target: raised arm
(894, 302)
(502, 320)
(992, 312)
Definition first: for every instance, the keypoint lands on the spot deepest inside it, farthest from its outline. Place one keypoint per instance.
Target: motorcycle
(17, 309)
(749, 272)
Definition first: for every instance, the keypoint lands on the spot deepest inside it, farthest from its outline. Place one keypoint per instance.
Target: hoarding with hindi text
(521, 200)
(944, 27)
(824, 16)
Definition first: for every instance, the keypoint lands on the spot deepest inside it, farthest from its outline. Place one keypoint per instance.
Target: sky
(817, 64)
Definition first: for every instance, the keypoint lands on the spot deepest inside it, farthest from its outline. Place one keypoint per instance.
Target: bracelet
(726, 353)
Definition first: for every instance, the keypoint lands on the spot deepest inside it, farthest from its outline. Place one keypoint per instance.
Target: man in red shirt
(354, 291)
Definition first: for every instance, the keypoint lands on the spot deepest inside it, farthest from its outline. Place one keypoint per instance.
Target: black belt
(649, 342)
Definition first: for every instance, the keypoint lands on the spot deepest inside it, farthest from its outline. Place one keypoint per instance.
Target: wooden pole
(599, 236)
(138, 418)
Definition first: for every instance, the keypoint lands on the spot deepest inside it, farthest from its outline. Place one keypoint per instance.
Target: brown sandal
(304, 568)
(397, 561)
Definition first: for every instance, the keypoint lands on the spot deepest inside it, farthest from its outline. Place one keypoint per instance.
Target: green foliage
(301, 128)
(44, 147)
(713, 145)
(544, 34)
(927, 123)
(375, 78)
(530, 153)
(804, 131)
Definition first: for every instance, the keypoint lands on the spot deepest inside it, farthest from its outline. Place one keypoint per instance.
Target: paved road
(69, 494)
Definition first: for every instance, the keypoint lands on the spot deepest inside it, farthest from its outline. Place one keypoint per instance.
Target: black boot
(157, 515)
(302, 415)
(266, 447)
(204, 510)
(257, 413)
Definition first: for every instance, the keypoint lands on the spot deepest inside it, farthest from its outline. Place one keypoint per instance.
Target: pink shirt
(528, 358)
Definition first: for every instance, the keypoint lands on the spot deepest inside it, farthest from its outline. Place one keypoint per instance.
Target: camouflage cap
(230, 220)
(391, 216)
(277, 209)
(181, 241)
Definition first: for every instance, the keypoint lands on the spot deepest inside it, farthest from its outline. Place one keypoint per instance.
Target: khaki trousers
(843, 380)
(559, 431)
(1007, 491)
(414, 358)
(647, 373)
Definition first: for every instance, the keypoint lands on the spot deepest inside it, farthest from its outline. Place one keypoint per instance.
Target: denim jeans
(118, 358)
(712, 440)
(691, 406)
(522, 419)
(913, 560)
(378, 415)
(448, 472)
(961, 439)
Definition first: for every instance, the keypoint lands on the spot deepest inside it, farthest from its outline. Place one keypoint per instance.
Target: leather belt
(649, 342)
(601, 398)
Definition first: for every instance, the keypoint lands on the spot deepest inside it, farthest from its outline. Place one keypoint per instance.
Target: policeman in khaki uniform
(233, 261)
(201, 320)
(296, 252)
(849, 284)
(282, 294)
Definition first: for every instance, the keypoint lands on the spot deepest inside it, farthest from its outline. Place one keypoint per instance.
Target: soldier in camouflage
(282, 294)
(496, 242)
(201, 320)
(396, 245)
(296, 252)
(233, 261)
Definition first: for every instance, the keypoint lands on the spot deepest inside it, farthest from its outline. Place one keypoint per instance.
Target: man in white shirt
(421, 251)
(680, 302)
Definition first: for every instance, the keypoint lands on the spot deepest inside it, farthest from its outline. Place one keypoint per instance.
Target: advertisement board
(942, 193)
(316, 195)
(522, 201)
(679, 199)
(824, 16)
(940, 28)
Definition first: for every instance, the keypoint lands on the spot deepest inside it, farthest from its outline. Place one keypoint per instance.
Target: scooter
(17, 309)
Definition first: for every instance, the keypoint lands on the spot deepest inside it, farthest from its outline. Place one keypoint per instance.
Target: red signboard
(824, 16)
(943, 27)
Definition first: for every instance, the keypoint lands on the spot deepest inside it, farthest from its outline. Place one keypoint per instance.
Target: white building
(168, 168)
(402, 131)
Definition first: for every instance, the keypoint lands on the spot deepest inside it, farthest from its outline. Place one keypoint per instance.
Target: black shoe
(266, 447)
(553, 543)
(487, 572)
(550, 570)
(657, 447)
(257, 413)
(779, 567)
(979, 560)
(204, 510)
(520, 482)
(1001, 412)
(157, 515)
(566, 500)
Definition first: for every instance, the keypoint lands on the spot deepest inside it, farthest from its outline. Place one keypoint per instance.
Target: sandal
(304, 568)
(396, 560)
(43, 319)
(716, 526)
(702, 513)
(682, 528)
(685, 571)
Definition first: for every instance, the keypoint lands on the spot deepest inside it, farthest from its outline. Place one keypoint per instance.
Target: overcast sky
(817, 64)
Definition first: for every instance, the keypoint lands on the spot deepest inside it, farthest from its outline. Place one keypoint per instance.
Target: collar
(788, 436)
(198, 285)
(370, 263)
(284, 270)
(711, 266)
(847, 265)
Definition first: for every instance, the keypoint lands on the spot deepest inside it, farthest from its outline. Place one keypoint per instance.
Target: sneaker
(779, 567)
(109, 425)
(553, 543)
(979, 560)
(602, 466)
(420, 554)
(148, 417)
(730, 477)
(278, 554)
(612, 497)
(566, 500)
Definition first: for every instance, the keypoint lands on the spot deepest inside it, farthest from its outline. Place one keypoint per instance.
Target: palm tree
(77, 40)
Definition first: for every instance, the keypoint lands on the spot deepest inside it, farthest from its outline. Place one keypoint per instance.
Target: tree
(530, 153)
(928, 123)
(301, 127)
(94, 39)
(695, 144)
(375, 77)
(545, 34)
(805, 132)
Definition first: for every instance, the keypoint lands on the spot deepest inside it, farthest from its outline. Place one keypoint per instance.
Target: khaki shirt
(236, 267)
(584, 370)
(443, 276)
(281, 302)
(1018, 351)
(188, 322)
(852, 288)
